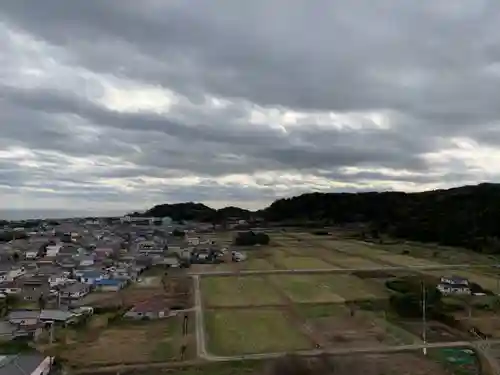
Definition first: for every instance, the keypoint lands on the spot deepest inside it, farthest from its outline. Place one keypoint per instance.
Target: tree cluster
(467, 216)
(409, 296)
(251, 238)
(197, 212)
(7, 236)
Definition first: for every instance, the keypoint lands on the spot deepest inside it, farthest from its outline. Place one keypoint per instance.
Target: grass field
(232, 332)
(221, 267)
(326, 288)
(347, 261)
(256, 264)
(132, 343)
(374, 253)
(238, 291)
(351, 327)
(302, 262)
(441, 254)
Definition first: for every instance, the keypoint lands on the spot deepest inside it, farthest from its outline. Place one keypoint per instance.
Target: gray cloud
(429, 69)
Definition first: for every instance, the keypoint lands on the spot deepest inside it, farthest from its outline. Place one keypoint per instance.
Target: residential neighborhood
(58, 274)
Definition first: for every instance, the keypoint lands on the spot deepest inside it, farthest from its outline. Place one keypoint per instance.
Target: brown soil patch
(154, 341)
(436, 332)
(486, 324)
(393, 364)
(351, 332)
(176, 291)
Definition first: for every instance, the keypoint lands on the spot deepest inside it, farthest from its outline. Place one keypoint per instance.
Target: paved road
(337, 270)
(201, 349)
(348, 351)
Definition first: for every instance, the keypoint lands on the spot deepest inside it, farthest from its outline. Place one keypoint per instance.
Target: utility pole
(424, 320)
(51, 333)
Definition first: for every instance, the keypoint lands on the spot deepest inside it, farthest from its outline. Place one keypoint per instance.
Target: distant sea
(54, 214)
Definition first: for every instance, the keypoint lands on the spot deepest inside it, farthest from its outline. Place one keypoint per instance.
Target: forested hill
(196, 211)
(465, 216)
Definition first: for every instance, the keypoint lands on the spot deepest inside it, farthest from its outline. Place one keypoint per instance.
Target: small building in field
(150, 309)
(455, 285)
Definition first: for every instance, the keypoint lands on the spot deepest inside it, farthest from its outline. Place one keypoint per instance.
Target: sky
(120, 105)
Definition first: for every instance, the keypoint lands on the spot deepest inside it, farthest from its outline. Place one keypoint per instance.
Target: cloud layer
(120, 105)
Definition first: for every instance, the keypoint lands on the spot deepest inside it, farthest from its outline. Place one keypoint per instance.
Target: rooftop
(20, 364)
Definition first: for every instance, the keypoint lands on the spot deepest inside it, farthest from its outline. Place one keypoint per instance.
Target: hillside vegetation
(467, 216)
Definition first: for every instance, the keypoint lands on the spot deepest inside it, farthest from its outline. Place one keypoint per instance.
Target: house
(23, 317)
(56, 316)
(31, 254)
(150, 247)
(35, 281)
(32, 331)
(454, 280)
(34, 287)
(58, 279)
(454, 285)
(150, 309)
(85, 260)
(106, 251)
(90, 277)
(53, 250)
(10, 272)
(9, 288)
(26, 364)
(109, 285)
(171, 262)
(74, 290)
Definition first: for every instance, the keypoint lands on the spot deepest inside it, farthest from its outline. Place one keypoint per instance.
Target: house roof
(23, 314)
(74, 287)
(456, 279)
(91, 273)
(55, 315)
(20, 364)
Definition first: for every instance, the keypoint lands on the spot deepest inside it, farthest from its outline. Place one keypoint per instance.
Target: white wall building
(53, 250)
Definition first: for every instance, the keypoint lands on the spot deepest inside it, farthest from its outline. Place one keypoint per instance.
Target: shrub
(251, 238)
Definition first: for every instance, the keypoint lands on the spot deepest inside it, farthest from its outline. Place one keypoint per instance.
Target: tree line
(467, 216)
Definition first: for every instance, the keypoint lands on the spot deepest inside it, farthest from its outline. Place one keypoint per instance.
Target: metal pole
(424, 321)
(51, 332)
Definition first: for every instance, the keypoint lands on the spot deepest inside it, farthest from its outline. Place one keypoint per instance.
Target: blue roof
(93, 274)
(108, 282)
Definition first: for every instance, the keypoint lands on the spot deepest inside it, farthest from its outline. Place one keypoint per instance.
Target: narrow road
(201, 349)
(336, 270)
(348, 351)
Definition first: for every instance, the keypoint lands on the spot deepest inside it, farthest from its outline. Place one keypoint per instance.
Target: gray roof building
(55, 315)
(20, 364)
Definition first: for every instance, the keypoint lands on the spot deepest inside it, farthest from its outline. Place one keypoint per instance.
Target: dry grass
(307, 288)
(327, 288)
(238, 291)
(256, 264)
(233, 332)
(131, 343)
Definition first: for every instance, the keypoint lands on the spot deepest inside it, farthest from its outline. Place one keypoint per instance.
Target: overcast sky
(123, 104)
